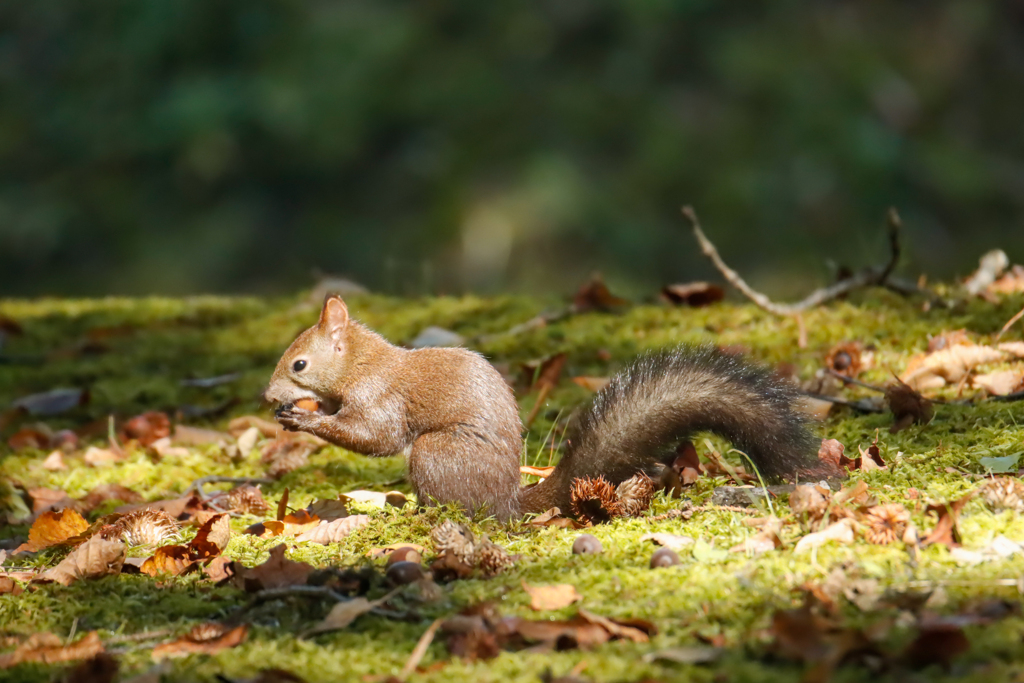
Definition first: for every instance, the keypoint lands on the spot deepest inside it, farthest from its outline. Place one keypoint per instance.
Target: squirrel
(454, 416)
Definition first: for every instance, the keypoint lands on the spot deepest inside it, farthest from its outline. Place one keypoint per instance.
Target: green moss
(139, 349)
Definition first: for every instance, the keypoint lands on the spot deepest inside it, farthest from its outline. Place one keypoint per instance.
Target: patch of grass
(132, 353)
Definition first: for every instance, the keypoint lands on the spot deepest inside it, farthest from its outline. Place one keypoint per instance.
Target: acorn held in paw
(307, 404)
(664, 557)
(587, 544)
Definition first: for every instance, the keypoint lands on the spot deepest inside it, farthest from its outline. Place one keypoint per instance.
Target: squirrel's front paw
(296, 419)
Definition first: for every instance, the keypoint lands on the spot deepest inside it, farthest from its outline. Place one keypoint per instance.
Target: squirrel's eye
(299, 365)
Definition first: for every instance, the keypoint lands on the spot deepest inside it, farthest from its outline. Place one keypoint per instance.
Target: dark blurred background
(447, 145)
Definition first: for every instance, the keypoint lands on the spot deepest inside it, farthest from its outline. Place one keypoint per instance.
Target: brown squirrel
(456, 419)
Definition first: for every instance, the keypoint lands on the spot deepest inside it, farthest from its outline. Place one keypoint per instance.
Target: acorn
(307, 404)
(664, 557)
(404, 554)
(586, 544)
(403, 573)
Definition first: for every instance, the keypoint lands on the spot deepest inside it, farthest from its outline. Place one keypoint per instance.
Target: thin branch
(877, 275)
(862, 405)
(421, 649)
(197, 485)
(1010, 322)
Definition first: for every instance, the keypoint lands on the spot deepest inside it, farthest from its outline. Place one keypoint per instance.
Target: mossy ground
(149, 345)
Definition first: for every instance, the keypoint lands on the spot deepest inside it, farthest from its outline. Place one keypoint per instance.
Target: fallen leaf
(999, 548)
(49, 500)
(763, 541)
(908, 406)
(542, 472)
(247, 441)
(668, 540)
(946, 531)
(990, 266)
(948, 365)
(277, 572)
(197, 436)
(332, 532)
(53, 528)
(101, 457)
(95, 558)
(592, 383)
(54, 462)
(47, 648)
(552, 597)
(207, 639)
(1000, 382)
(553, 518)
(212, 537)
(147, 427)
(840, 532)
(695, 294)
(266, 428)
(594, 295)
(107, 492)
(30, 437)
(831, 453)
(247, 499)
(344, 613)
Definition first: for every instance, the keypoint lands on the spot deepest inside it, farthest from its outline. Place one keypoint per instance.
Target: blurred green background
(180, 146)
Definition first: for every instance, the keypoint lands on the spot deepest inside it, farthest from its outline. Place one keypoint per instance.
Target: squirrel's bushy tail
(636, 420)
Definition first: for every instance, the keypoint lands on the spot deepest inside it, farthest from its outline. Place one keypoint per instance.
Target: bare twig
(846, 379)
(877, 275)
(863, 405)
(1010, 322)
(421, 649)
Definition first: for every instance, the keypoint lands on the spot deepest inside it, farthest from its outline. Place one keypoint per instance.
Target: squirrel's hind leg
(453, 466)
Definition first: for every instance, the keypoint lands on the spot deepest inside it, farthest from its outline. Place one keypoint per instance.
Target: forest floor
(846, 611)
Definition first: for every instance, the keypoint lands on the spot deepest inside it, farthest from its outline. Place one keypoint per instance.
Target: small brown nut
(587, 544)
(404, 554)
(403, 573)
(307, 404)
(664, 557)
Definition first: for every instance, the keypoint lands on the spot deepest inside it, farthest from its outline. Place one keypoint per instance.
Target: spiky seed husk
(247, 498)
(1003, 493)
(491, 558)
(456, 539)
(594, 500)
(636, 494)
(145, 527)
(885, 523)
(845, 359)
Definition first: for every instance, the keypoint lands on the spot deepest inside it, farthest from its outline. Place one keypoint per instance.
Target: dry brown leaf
(840, 532)
(207, 639)
(55, 461)
(553, 517)
(328, 510)
(946, 530)
(552, 597)
(95, 558)
(197, 436)
(332, 532)
(50, 649)
(669, 540)
(594, 295)
(592, 383)
(212, 537)
(170, 560)
(1010, 283)
(107, 492)
(831, 454)
(1000, 382)
(1015, 348)
(343, 614)
(695, 294)
(53, 528)
(908, 406)
(146, 428)
(542, 472)
(270, 430)
(278, 571)
(763, 541)
(948, 365)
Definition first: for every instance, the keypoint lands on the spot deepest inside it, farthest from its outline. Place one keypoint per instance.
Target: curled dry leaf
(840, 532)
(207, 639)
(53, 528)
(212, 537)
(170, 560)
(334, 531)
(54, 462)
(50, 649)
(95, 558)
(946, 531)
(594, 384)
(695, 294)
(594, 295)
(831, 454)
(763, 541)
(107, 492)
(343, 614)
(147, 427)
(809, 500)
(948, 365)
(908, 406)
(278, 571)
(247, 499)
(554, 518)
(1000, 382)
(327, 509)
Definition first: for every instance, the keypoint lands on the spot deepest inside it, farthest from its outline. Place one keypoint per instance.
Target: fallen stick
(877, 275)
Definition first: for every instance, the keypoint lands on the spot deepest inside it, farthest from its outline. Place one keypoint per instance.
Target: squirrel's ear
(334, 317)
